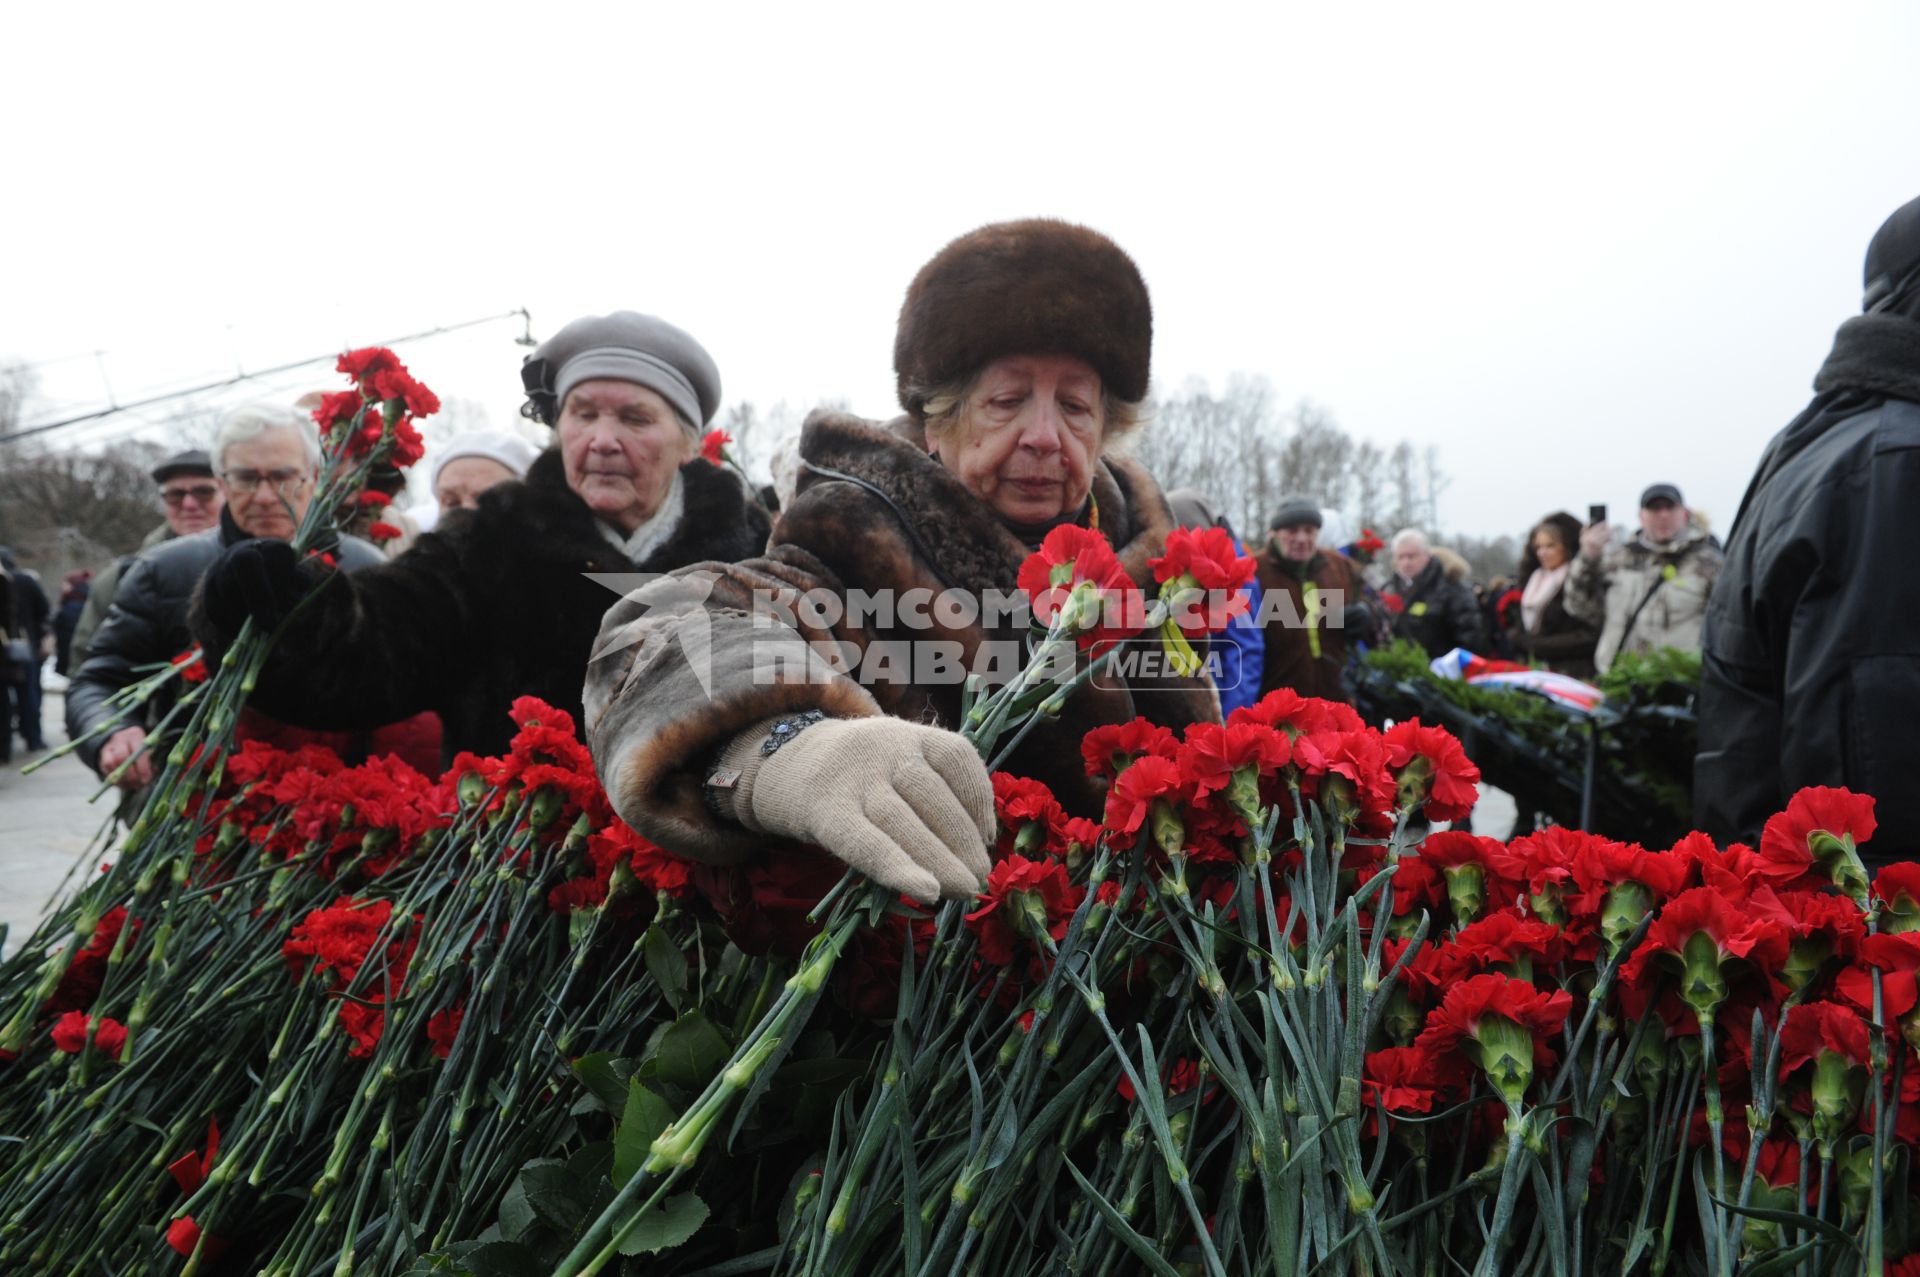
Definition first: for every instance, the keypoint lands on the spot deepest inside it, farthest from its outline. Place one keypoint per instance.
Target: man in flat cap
(1650, 592)
(192, 501)
(497, 602)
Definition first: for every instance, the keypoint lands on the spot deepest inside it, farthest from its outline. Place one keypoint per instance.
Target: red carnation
(193, 668)
(1110, 749)
(1028, 815)
(1130, 801)
(70, 1034)
(1429, 765)
(1897, 959)
(1076, 565)
(1298, 715)
(380, 533)
(1405, 1079)
(1203, 578)
(1821, 827)
(1235, 760)
(1898, 888)
(1499, 1023)
(374, 499)
(713, 446)
(1023, 898)
(443, 1027)
(1735, 942)
(1512, 940)
(366, 362)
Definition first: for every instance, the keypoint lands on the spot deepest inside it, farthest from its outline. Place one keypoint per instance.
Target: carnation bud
(1702, 984)
(1169, 834)
(1805, 957)
(1466, 892)
(471, 789)
(1504, 1051)
(1841, 861)
(1401, 1019)
(1902, 913)
(1626, 906)
(1838, 1086)
(1412, 783)
(545, 807)
(1548, 906)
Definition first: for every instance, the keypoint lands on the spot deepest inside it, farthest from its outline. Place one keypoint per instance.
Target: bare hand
(1594, 541)
(122, 745)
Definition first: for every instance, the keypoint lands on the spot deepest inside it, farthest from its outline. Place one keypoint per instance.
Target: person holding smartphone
(1651, 590)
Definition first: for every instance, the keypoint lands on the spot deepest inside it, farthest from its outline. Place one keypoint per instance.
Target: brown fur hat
(1033, 287)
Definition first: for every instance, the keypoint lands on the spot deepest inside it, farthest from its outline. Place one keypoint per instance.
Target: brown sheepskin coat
(674, 676)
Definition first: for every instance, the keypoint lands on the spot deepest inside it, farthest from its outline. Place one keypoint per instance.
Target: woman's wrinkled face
(1028, 436)
(621, 445)
(1547, 549)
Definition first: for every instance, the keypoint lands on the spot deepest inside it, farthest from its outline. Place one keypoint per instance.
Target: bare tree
(61, 511)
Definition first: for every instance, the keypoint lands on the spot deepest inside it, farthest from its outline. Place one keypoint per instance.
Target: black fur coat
(492, 605)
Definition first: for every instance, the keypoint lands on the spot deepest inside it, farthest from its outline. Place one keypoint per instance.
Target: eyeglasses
(278, 480)
(199, 493)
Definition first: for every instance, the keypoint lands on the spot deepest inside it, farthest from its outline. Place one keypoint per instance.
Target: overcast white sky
(1578, 248)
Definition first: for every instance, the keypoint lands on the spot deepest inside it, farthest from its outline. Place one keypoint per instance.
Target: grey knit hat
(1295, 507)
(623, 346)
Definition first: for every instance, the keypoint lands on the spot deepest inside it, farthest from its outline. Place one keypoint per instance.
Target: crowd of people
(1021, 356)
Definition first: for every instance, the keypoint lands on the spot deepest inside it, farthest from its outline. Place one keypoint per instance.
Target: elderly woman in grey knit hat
(1021, 355)
(499, 601)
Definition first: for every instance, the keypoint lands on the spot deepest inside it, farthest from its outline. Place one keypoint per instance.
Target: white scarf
(1541, 587)
(649, 536)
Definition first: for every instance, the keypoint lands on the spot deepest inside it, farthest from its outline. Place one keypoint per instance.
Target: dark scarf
(1874, 358)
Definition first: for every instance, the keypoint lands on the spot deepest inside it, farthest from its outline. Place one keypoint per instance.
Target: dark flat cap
(193, 461)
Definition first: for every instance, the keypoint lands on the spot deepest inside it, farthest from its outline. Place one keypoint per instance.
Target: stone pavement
(46, 827)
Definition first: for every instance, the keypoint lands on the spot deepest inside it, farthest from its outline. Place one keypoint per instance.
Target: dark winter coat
(1293, 630)
(1810, 670)
(147, 624)
(495, 603)
(1440, 613)
(101, 597)
(1561, 641)
(684, 665)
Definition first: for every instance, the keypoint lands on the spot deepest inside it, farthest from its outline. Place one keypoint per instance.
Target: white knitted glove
(909, 806)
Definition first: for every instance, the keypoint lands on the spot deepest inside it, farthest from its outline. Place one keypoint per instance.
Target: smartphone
(1596, 514)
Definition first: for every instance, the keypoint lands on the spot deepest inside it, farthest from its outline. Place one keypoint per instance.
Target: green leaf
(557, 1196)
(503, 1259)
(668, 966)
(666, 1225)
(645, 1116)
(688, 1054)
(477, 1259)
(1143, 1249)
(1780, 1261)
(1793, 1219)
(516, 1213)
(605, 1075)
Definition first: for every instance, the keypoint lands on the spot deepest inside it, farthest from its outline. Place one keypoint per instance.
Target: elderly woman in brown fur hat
(719, 722)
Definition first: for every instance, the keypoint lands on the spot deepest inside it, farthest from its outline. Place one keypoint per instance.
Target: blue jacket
(1243, 652)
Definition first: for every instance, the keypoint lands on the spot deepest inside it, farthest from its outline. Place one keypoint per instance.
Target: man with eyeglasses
(192, 501)
(265, 461)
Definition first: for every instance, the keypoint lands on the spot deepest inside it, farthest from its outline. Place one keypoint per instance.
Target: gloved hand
(259, 579)
(910, 806)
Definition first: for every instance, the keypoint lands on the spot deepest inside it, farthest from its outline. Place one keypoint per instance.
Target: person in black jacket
(1546, 632)
(1810, 670)
(266, 458)
(28, 621)
(1436, 611)
(501, 601)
